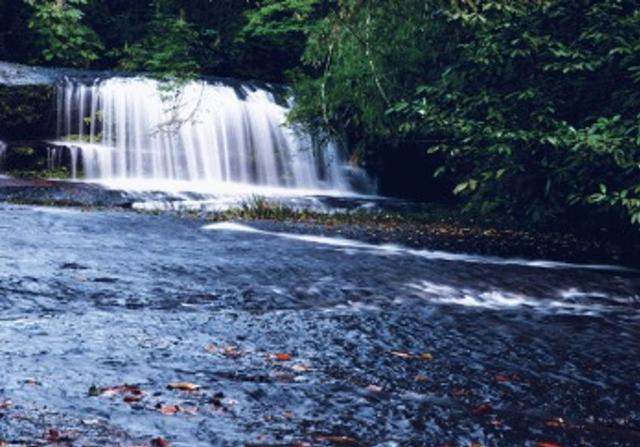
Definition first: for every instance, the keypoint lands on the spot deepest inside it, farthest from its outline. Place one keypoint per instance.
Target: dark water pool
(302, 341)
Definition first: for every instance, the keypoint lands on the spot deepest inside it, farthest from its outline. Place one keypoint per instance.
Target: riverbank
(419, 226)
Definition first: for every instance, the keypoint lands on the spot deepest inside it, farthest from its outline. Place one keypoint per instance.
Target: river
(301, 340)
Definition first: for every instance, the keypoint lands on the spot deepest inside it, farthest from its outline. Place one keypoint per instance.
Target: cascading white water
(3, 153)
(126, 128)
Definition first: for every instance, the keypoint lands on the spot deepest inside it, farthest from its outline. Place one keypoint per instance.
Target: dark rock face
(27, 112)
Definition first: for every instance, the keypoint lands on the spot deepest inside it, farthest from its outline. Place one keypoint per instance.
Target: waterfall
(133, 128)
(3, 150)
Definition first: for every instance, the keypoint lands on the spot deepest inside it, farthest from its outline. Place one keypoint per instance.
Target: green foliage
(63, 38)
(539, 107)
(166, 51)
(281, 17)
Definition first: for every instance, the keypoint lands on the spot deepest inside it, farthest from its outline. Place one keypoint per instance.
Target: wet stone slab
(295, 341)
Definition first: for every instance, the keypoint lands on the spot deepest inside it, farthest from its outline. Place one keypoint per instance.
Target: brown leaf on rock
(338, 440)
(500, 377)
(169, 410)
(53, 435)
(283, 356)
(183, 386)
(410, 356)
(402, 355)
(460, 392)
(110, 391)
(482, 409)
(555, 423)
(160, 442)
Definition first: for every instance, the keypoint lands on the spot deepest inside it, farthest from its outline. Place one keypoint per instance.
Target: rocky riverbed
(122, 328)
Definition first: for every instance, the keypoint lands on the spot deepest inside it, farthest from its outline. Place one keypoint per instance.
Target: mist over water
(212, 134)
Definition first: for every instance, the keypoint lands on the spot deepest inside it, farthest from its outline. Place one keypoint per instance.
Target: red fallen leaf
(502, 377)
(160, 442)
(169, 410)
(482, 409)
(283, 356)
(547, 444)
(555, 423)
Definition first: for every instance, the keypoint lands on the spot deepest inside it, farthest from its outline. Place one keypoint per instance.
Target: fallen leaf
(426, 356)
(555, 423)
(53, 435)
(160, 442)
(212, 348)
(547, 444)
(169, 410)
(183, 386)
(4, 404)
(502, 377)
(461, 392)
(402, 355)
(482, 409)
(374, 388)
(111, 391)
(232, 352)
(283, 357)
(421, 378)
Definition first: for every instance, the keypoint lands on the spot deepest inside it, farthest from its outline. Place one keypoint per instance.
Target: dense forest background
(525, 109)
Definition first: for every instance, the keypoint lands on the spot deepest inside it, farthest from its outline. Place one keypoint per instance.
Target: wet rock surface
(300, 341)
(60, 193)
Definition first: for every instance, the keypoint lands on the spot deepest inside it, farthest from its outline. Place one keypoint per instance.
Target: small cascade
(132, 128)
(3, 151)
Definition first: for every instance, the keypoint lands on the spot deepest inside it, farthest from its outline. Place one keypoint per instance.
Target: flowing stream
(379, 345)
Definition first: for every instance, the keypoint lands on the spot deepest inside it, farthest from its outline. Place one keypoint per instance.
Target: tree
(63, 38)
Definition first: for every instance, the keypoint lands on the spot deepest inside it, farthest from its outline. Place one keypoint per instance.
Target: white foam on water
(568, 301)
(398, 250)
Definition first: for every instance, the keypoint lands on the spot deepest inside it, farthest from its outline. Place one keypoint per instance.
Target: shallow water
(106, 298)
